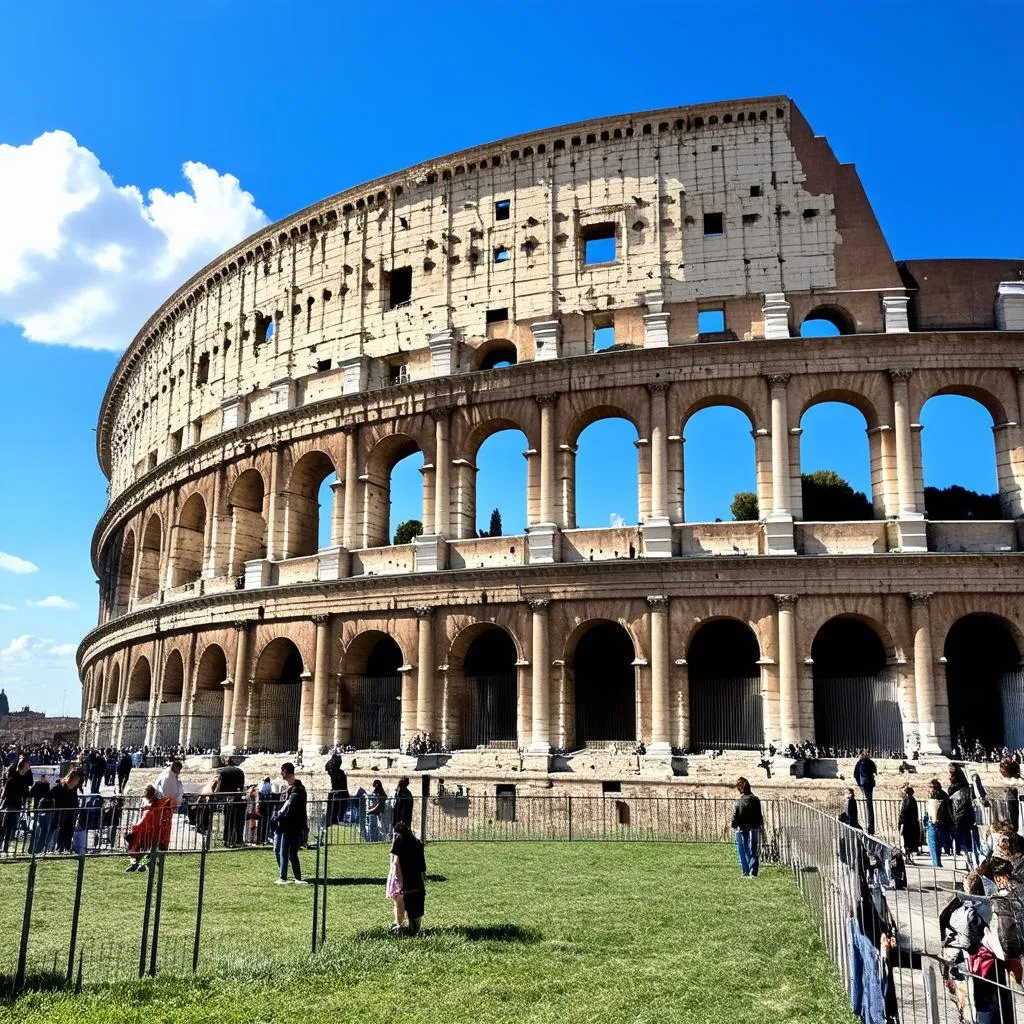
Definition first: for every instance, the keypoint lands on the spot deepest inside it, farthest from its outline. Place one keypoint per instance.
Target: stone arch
(167, 730)
(248, 536)
(380, 463)
(277, 696)
(723, 665)
(494, 354)
(149, 558)
(372, 686)
(984, 682)
(838, 316)
(125, 571)
(136, 706)
(188, 540)
(575, 470)
(207, 710)
(110, 698)
(592, 414)
(683, 452)
(600, 661)
(302, 504)
(466, 475)
(482, 693)
(856, 691)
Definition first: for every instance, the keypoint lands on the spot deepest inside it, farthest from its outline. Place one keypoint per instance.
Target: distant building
(5, 707)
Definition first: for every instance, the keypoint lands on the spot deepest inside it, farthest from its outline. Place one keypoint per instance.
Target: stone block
(778, 536)
(543, 540)
(258, 573)
(657, 534)
(444, 353)
(776, 316)
(334, 563)
(233, 412)
(894, 313)
(357, 374)
(1010, 306)
(546, 337)
(431, 552)
(911, 535)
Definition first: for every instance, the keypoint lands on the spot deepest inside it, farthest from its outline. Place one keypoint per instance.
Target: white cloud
(7, 608)
(85, 262)
(29, 649)
(616, 519)
(53, 601)
(12, 563)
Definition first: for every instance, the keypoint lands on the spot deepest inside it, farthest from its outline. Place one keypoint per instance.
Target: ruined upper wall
(275, 318)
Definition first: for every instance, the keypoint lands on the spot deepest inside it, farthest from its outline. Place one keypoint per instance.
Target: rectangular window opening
(611, 787)
(398, 373)
(503, 209)
(711, 321)
(599, 244)
(497, 316)
(197, 430)
(502, 255)
(322, 364)
(505, 802)
(175, 443)
(604, 332)
(713, 225)
(151, 462)
(755, 190)
(203, 369)
(397, 286)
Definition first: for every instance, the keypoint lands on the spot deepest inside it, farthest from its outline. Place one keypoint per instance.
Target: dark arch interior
(279, 679)
(377, 698)
(725, 687)
(489, 706)
(605, 687)
(498, 356)
(856, 695)
(984, 683)
(208, 701)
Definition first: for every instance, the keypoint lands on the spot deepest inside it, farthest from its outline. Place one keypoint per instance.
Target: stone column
(779, 522)
(350, 526)
(226, 714)
(789, 696)
(542, 534)
(567, 486)
(541, 683)
(776, 316)
(274, 504)
(924, 677)
(241, 677)
(681, 705)
(321, 682)
(218, 522)
(655, 321)
(425, 669)
(661, 726)
(337, 513)
(442, 490)
(657, 529)
(675, 477)
(910, 524)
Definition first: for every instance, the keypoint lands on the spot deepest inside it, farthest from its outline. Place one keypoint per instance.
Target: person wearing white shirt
(168, 785)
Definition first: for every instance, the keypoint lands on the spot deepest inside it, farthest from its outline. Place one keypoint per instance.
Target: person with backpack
(864, 772)
(290, 823)
(963, 824)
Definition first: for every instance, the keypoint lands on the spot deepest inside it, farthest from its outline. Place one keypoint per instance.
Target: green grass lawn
(582, 932)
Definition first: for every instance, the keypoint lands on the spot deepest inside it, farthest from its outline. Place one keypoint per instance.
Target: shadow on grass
(470, 932)
(35, 981)
(374, 881)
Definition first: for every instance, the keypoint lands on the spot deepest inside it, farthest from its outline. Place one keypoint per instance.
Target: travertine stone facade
(369, 326)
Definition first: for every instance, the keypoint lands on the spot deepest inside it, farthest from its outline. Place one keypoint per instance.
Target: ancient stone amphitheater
(434, 307)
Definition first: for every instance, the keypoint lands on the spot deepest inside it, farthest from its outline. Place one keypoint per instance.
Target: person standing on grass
(864, 772)
(407, 879)
(290, 823)
(17, 785)
(748, 821)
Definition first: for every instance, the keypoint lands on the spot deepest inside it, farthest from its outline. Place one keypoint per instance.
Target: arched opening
(248, 527)
(136, 713)
(125, 570)
(188, 542)
(393, 489)
(959, 459)
(494, 355)
(277, 696)
(726, 710)
(168, 722)
(149, 558)
(604, 686)
(856, 694)
(108, 707)
(374, 685)
(835, 447)
(500, 485)
(606, 489)
(330, 498)
(827, 322)
(489, 697)
(208, 702)
(720, 466)
(304, 510)
(984, 684)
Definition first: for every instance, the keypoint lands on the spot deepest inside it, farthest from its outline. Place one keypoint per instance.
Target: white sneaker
(280, 881)
(299, 881)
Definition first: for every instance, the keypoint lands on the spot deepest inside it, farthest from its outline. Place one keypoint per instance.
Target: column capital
(658, 602)
(440, 412)
(228, 684)
(658, 387)
(321, 620)
(423, 611)
(350, 429)
(538, 604)
(786, 600)
(920, 597)
(1019, 372)
(242, 624)
(548, 399)
(275, 446)
(777, 380)
(903, 374)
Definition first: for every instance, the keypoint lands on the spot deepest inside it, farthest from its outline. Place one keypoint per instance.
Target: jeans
(286, 848)
(965, 841)
(868, 790)
(937, 839)
(8, 828)
(748, 846)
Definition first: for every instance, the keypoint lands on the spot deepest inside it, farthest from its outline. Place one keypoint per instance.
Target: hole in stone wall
(397, 286)
(502, 209)
(598, 244)
(713, 225)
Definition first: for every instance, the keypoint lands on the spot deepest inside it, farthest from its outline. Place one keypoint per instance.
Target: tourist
(153, 830)
(124, 769)
(864, 772)
(62, 804)
(97, 769)
(963, 824)
(337, 802)
(1009, 798)
(376, 807)
(265, 808)
(402, 803)
(230, 786)
(17, 785)
(408, 874)
(748, 821)
(852, 817)
(168, 785)
(910, 824)
(109, 767)
(936, 821)
(290, 823)
(252, 814)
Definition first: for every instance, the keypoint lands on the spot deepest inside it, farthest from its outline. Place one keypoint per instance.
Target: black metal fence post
(323, 907)
(316, 900)
(424, 806)
(26, 926)
(199, 901)
(75, 914)
(146, 915)
(569, 800)
(159, 866)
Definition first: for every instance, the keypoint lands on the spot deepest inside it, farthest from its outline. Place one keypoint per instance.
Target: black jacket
(16, 790)
(291, 819)
(747, 813)
(339, 780)
(403, 805)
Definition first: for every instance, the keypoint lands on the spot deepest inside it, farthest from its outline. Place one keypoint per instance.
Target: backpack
(962, 808)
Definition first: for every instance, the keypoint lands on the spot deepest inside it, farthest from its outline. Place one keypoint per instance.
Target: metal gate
(1011, 692)
(207, 718)
(133, 730)
(277, 727)
(489, 711)
(726, 714)
(377, 717)
(859, 712)
(168, 724)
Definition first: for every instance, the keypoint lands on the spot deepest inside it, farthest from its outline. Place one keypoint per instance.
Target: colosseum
(432, 308)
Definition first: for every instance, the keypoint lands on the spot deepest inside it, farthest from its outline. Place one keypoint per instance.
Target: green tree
(407, 530)
(957, 502)
(829, 498)
(744, 507)
(495, 528)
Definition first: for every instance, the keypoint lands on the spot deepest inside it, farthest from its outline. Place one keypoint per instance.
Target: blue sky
(298, 101)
